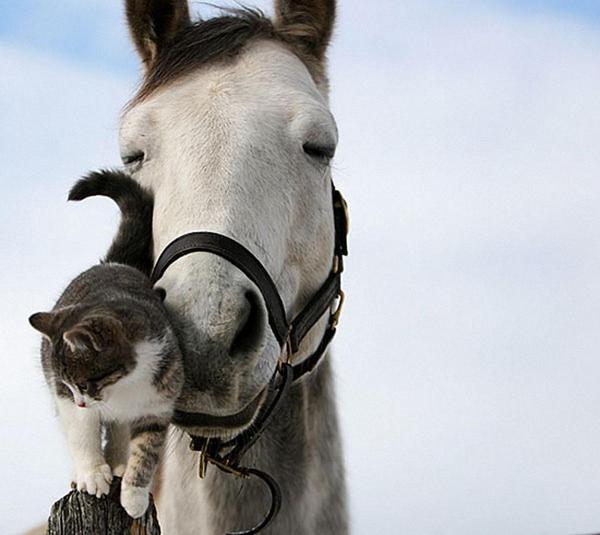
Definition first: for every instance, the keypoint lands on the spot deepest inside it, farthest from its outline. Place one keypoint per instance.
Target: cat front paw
(94, 480)
(118, 470)
(134, 500)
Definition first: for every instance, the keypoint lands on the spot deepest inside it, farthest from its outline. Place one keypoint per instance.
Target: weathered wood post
(79, 513)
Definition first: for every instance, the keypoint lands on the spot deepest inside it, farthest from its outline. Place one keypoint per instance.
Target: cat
(110, 354)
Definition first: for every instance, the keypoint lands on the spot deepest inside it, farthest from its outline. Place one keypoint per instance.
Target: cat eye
(104, 376)
(82, 386)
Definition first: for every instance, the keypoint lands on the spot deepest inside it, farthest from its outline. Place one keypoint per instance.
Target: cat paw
(118, 470)
(94, 480)
(134, 500)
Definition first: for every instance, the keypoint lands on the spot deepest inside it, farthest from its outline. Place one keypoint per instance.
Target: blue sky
(93, 32)
(589, 9)
(469, 154)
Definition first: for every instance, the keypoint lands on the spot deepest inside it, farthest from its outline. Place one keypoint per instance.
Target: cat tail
(133, 244)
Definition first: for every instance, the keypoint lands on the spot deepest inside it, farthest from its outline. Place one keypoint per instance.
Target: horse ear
(306, 24)
(153, 23)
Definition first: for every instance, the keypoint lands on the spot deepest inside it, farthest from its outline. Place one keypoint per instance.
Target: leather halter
(227, 455)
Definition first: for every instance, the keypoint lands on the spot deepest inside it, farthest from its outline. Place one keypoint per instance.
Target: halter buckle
(226, 467)
(286, 354)
(336, 264)
(288, 348)
(335, 315)
(203, 460)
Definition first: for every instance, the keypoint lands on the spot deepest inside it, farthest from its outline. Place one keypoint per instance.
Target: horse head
(231, 131)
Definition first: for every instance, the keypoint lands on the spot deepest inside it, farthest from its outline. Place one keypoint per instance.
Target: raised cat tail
(133, 244)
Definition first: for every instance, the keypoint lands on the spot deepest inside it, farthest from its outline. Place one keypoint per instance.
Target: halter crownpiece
(227, 455)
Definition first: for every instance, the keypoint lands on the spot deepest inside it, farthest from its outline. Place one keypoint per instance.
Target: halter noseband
(227, 455)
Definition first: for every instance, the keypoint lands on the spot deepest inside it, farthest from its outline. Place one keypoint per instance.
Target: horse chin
(223, 426)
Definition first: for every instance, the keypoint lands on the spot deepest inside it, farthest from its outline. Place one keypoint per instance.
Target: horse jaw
(224, 153)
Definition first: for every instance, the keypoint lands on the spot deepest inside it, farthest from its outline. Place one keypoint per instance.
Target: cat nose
(81, 404)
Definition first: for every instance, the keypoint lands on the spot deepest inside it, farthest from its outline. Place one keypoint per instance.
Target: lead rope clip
(203, 460)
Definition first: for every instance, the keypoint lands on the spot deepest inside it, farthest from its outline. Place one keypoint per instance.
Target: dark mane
(203, 42)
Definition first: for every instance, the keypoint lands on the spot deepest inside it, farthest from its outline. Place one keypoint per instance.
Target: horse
(231, 131)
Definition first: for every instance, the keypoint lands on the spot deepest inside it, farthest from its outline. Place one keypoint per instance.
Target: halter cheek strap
(289, 334)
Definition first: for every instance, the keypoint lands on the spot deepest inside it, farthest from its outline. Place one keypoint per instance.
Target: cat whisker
(105, 408)
(173, 439)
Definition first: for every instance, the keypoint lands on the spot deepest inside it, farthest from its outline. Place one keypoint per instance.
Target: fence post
(79, 513)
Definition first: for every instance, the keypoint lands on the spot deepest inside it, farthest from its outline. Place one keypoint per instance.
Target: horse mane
(204, 42)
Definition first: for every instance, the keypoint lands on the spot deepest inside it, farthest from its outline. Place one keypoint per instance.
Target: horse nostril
(248, 335)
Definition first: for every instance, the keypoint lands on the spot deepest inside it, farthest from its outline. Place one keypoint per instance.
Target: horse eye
(319, 152)
(135, 157)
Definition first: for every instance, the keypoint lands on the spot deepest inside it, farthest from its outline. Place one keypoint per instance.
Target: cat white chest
(135, 395)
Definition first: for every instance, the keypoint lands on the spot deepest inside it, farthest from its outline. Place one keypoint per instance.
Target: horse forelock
(216, 40)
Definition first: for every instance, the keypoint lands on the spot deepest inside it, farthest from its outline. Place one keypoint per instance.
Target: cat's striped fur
(111, 357)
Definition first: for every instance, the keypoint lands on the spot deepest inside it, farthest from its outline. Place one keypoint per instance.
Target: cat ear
(80, 339)
(96, 332)
(45, 323)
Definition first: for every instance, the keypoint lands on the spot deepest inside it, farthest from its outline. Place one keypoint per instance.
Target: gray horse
(232, 132)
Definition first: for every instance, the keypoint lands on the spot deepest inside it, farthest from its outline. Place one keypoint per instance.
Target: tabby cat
(110, 355)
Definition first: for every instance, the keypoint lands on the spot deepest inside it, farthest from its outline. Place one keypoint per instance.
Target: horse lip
(228, 422)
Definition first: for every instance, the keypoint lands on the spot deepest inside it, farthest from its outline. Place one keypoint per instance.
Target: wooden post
(79, 513)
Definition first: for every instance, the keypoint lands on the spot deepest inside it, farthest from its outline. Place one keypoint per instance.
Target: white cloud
(467, 358)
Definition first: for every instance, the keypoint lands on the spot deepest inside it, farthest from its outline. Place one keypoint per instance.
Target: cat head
(89, 351)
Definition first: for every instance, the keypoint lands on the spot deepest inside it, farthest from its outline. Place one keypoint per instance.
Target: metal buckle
(226, 467)
(288, 348)
(203, 460)
(223, 464)
(335, 315)
(336, 264)
(286, 354)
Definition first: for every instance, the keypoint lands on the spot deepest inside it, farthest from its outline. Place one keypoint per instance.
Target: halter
(227, 455)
